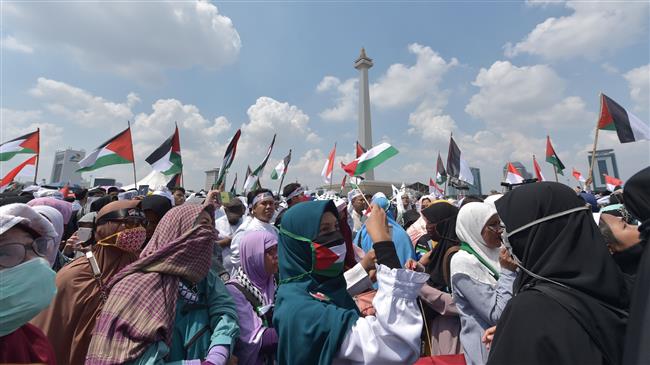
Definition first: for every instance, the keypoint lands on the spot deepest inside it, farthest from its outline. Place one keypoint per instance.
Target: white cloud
(403, 85)
(80, 106)
(638, 80)
(346, 99)
(147, 39)
(593, 29)
(14, 123)
(512, 97)
(268, 116)
(430, 123)
(12, 44)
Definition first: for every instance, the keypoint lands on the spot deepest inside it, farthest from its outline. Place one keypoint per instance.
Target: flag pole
(135, 180)
(179, 147)
(555, 172)
(593, 151)
(283, 173)
(38, 155)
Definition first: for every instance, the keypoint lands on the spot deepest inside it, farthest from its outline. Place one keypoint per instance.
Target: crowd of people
(541, 274)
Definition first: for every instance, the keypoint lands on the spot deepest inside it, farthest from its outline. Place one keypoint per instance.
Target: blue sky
(499, 75)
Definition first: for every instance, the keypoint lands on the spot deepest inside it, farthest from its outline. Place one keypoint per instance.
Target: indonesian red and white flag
(27, 168)
(578, 176)
(329, 166)
(538, 170)
(513, 175)
(612, 182)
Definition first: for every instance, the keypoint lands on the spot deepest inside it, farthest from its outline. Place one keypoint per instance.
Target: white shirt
(251, 224)
(392, 335)
(225, 230)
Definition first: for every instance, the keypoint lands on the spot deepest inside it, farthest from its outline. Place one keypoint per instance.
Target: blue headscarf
(403, 244)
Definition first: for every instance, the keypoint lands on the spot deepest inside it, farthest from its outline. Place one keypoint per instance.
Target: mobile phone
(84, 234)
(143, 190)
(226, 197)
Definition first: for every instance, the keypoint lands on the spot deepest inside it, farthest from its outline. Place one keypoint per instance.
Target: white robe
(392, 336)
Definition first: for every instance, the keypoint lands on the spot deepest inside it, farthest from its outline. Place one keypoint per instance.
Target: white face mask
(505, 235)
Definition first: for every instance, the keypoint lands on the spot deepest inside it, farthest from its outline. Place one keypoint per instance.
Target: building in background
(65, 166)
(211, 178)
(519, 166)
(458, 188)
(605, 164)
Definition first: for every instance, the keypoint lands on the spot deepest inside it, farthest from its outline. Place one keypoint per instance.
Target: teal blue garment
(210, 322)
(310, 330)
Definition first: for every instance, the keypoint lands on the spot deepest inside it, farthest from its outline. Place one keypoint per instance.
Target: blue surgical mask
(26, 290)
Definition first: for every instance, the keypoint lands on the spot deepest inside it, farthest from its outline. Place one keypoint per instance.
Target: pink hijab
(64, 207)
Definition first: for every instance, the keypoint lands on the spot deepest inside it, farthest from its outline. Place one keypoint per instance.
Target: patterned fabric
(141, 307)
(242, 278)
(187, 294)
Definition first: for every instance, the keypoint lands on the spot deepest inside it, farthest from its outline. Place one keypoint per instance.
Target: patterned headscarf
(141, 307)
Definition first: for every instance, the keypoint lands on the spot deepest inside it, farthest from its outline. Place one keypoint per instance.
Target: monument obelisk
(363, 63)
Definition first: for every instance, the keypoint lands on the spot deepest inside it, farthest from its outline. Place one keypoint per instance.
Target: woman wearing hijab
(481, 281)
(253, 290)
(441, 314)
(154, 208)
(570, 296)
(403, 246)
(70, 318)
(637, 201)
(54, 256)
(419, 227)
(26, 284)
(316, 319)
(168, 305)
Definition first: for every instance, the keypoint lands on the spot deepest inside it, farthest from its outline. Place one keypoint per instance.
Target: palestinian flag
(551, 157)
(513, 176)
(578, 176)
(627, 125)
(434, 188)
(27, 168)
(115, 151)
(253, 179)
(29, 143)
(453, 159)
(248, 173)
(233, 189)
(329, 166)
(359, 150)
(229, 157)
(441, 174)
(612, 182)
(371, 159)
(538, 170)
(174, 182)
(281, 168)
(166, 159)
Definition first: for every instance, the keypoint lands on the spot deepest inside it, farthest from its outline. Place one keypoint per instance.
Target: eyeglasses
(496, 228)
(13, 254)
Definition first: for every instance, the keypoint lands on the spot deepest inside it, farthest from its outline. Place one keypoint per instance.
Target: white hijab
(469, 224)
(55, 217)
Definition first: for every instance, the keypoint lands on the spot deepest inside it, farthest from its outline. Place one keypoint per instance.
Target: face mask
(506, 242)
(129, 240)
(26, 290)
(328, 254)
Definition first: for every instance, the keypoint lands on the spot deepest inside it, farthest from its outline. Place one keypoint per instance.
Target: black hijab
(156, 203)
(443, 215)
(569, 250)
(637, 201)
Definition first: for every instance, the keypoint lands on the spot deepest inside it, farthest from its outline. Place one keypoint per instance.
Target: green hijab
(310, 329)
